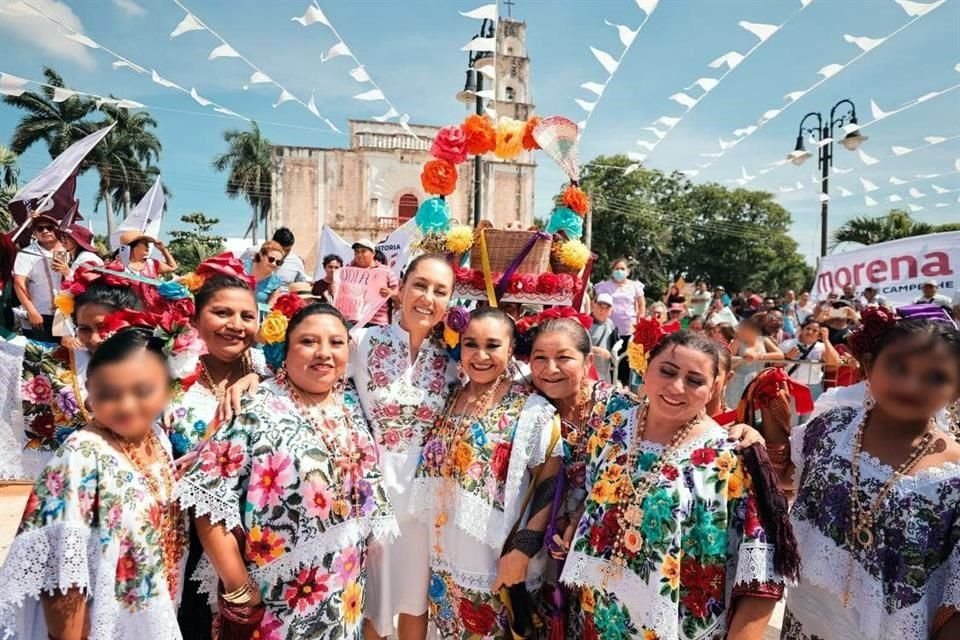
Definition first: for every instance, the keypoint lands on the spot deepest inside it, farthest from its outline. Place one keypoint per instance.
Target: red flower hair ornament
(227, 265)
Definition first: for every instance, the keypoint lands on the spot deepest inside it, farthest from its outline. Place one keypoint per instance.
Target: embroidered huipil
(913, 568)
(702, 543)
(401, 397)
(188, 414)
(480, 502)
(91, 523)
(270, 472)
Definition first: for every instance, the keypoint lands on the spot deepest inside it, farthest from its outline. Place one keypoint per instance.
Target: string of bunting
(483, 44)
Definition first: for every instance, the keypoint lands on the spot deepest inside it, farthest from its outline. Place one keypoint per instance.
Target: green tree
(126, 159)
(894, 225)
(247, 161)
(196, 244)
(9, 176)
(56, 124)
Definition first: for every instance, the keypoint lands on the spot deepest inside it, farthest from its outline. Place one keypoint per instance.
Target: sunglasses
(43, 228)
(272, 260)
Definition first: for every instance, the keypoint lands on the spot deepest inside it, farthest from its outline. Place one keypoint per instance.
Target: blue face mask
(619, 275)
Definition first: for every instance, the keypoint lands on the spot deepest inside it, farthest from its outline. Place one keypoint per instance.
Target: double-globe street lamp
(471, 93)
(823, 134)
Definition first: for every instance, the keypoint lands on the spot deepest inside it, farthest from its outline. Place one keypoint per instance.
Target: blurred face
(139, 251)
(45, 232)
(910, 381)
(89, 320)
(363, 257)
(557, 367)
(128, 396)
(425, 295)
(832, 297)
(678, 383)
(810, 333)
(848, 291)
(773, 321)
(790, 296)
(869, 294)
(317, 353)
(485, 350)
(227, 324)
(747, 334)
(696, 325)
(659, 313)
(601, 312)
(273, 259)
(331, 269)
(717, 334)
(929, 290)
(804, 298)
(769, 304)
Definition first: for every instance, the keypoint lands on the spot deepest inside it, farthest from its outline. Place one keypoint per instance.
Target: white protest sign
(358, 293)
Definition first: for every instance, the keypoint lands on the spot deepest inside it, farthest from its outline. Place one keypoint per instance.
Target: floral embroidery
(51, 410)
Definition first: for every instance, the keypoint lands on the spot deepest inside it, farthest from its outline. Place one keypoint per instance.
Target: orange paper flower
(439, 177)
(528, 142)
(481, 136)
(574, 198)
(509, 138)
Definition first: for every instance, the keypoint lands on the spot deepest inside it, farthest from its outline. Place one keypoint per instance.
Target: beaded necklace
(861, 520)
(630, 516)
(344, 447)
(218, 391)
(172, 530)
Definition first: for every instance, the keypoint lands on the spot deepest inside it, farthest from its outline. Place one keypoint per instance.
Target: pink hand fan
(557, 136)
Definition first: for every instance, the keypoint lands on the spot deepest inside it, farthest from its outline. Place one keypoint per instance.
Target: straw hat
(132, 235)
(303, 289)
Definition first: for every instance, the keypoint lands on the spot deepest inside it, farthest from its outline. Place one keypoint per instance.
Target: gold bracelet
(242, 595)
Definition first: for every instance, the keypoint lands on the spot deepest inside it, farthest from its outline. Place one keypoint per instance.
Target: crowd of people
(220, 454)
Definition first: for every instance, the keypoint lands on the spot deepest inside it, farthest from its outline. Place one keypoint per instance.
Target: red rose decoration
(647, 332)
(703, 457)
(548, 283)
(500, 460)
(481, 137)
(450, 144)
(118, 320)
(875, 321)
(463, 275)
(477, 619)
(226, 265)
(565, 283)
(176, 312)
(289, 304)
(526, 323)
(522, 283)
(477, 281)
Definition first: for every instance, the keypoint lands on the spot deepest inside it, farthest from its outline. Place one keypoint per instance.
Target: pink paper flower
(450, 144)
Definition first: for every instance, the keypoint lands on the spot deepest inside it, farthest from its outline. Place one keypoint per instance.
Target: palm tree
(117, 165)
(9, 175)
(892, 226)
(58, 124)
(248, 162)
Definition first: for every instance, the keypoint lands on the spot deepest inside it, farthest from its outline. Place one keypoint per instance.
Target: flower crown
(273, 329)
(876, 321)
(84, 276)
(527, 326)
(647, 334)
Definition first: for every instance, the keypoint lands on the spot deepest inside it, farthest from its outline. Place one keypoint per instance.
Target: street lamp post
(823, 133)
(471, 93)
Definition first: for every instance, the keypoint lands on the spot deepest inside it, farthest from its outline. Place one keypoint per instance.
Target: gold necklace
(172, 533)
(220, 392)
(630, 516)
(861, 520)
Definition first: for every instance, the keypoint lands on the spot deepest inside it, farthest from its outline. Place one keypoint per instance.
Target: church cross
(509, 4)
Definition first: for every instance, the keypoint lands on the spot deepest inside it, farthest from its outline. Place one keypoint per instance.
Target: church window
(511, 94)
(407, 207)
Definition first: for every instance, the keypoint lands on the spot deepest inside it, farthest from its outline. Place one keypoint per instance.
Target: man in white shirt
(811, 345)
(872, 299)
(700, 300)
(930, 296)
(34, 280)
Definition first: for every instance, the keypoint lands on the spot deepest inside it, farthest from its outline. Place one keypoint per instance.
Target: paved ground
(13, 497)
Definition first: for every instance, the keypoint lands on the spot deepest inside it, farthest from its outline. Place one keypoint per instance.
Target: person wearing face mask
(101, 545)
(669, 544)
(497, 438)
(878, 493)
(35, 282)
(403, 374)
(288, 496)
(629, 304)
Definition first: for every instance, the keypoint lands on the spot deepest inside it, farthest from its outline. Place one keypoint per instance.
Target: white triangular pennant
(866, 159)
(900, 151)
(630, 169)
(259, 77)
(690, 173)
(868, 186)
(373, 94)
(312, 105)
(633, 156)
(896, 181)
(895, 198)
(339, 49)
(770, 114)
(649, 146)
(928, 176)
(707, 84)
(189, 23)
(838, 171)
(746, 131)
(12, 85)
(731, 59)
(647, 6)
(844, 193)
(914, 207)
(762, 31)
(785, 189)
(928, 96)
(285, 96)
(726, 145)
(799, 185)
(660, 134)
(228, 112)
(743, 174)
(581, 126)
(480, 44)
(487, 94)
(586, 106)
(939, 189)
(486, 12)
(129, 65)
(488, 72)
(605, 59)
(863, 42)
(594, 87)
(60, 94)
(203, 102)
(360, 74)
(684, 100)
(223, 51)
(916, 193)
(941, 204)
(934, 139)
(877, 112)
(391, 113)
(917, 9)
(163, 82)
(793, 96)
(870, 202)
(82, 39)
(830, 70)
(626, 33)
(668, 121)
(823, 197)
(313, 15)
(764, 172)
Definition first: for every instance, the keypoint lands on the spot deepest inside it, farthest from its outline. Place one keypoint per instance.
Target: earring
(869, 402)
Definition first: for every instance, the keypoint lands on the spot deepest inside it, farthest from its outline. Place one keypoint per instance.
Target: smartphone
(62, 256)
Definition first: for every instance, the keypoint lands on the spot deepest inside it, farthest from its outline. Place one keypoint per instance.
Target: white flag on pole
(53, 176)
(145, 217)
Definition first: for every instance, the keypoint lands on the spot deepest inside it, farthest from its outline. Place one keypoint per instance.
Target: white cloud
(20, 22)
(130, 8)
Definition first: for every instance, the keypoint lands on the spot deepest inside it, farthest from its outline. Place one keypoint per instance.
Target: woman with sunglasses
(263, 267)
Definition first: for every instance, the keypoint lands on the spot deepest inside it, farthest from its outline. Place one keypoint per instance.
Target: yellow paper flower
(509, 138)
(650, 634)
(191, 281)
(274, 328)
(573, 254)
(63, 301)
(352, 604)
(451, 337)
(636, 357)
(459, 239)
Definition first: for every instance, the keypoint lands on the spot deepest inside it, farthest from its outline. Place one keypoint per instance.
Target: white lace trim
(63, 556)
(472, 514)
(258, 362)
(203, 502)
(826, 566)
(483, 580)
(755, 565)
(311, 546)
(12, 427)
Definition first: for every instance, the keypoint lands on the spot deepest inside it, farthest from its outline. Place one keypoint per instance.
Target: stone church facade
(371, 187)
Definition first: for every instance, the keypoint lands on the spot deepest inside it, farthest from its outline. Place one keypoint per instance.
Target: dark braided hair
(107, 295)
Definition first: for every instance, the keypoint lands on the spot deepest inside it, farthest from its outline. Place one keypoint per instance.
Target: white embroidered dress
(401, 398)
(913, 568)
(91, 523)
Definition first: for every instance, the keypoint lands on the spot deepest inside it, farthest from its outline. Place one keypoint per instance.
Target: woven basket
(504, 246)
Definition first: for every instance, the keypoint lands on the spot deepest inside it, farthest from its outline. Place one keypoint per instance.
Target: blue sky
(412, 50)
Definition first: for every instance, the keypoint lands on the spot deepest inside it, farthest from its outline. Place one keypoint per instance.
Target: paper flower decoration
(191, 281)
(273, 330)
(480, 134)
(637, 357)
(529, 143)
(433, 216)
(573, 254)
(564, 219)
(439, 177)
(574, 198)
(63, 301)
(509, 138)
(450, 144)
(459, 239)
